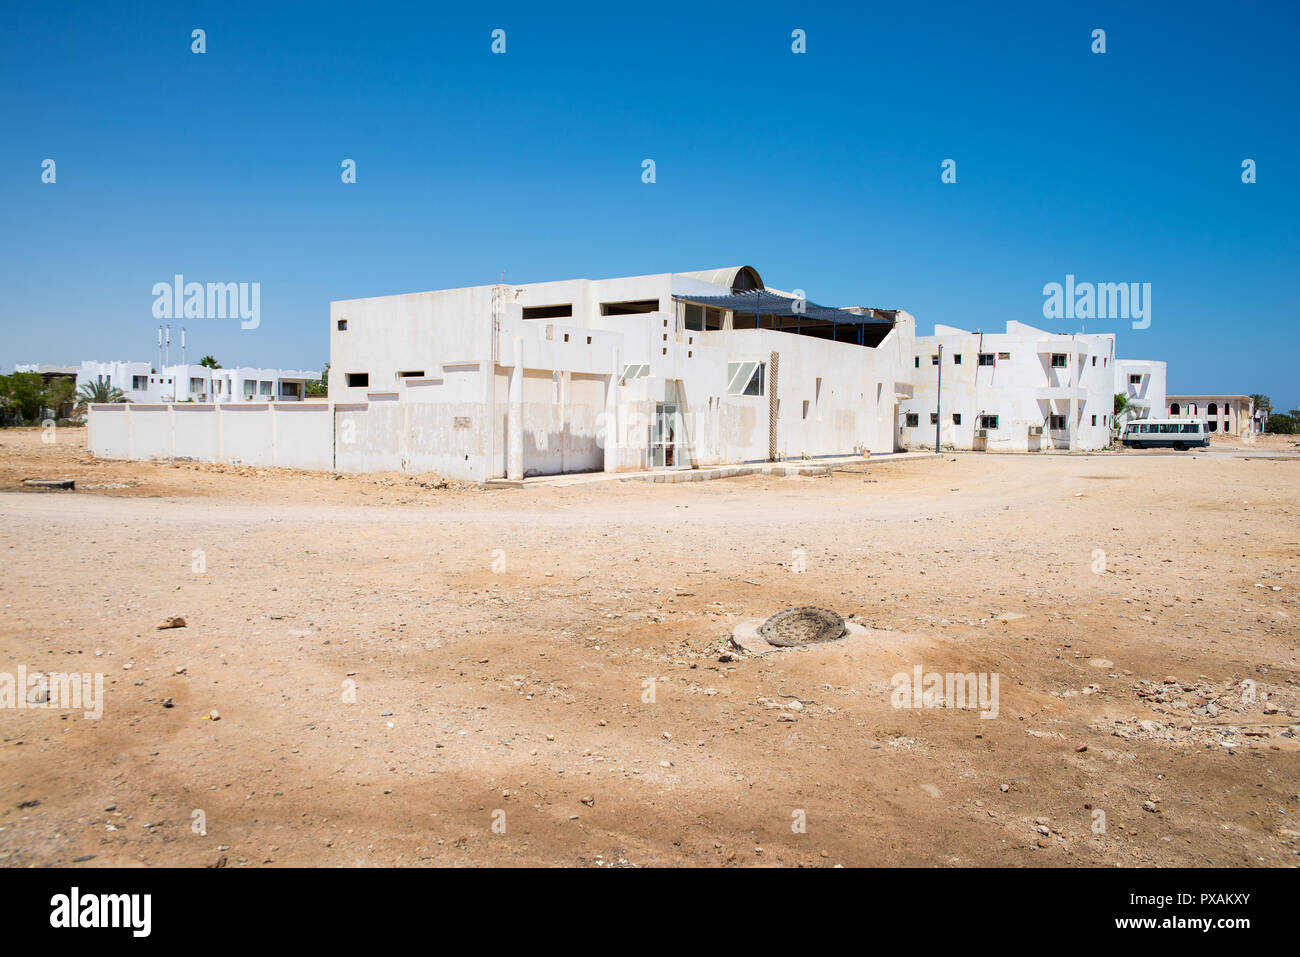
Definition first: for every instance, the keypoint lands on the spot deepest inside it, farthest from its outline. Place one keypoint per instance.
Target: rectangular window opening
(630, 308)
(563, 311)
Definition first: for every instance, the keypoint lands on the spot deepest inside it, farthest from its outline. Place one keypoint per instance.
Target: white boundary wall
(286, 435)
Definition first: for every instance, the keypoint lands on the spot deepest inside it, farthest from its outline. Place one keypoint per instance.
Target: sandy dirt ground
(388, 671)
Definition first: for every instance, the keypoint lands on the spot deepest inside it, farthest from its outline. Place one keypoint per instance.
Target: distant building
(1023, 390)
(1223, 414)
(196, 383)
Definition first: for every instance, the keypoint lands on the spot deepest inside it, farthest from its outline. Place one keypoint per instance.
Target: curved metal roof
(735, 278)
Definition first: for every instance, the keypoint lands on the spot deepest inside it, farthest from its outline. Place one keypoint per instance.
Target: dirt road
(380, 671)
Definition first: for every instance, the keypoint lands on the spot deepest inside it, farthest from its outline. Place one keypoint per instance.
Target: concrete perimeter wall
(286, 435)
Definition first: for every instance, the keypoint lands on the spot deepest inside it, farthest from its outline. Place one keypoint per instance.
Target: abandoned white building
(665, 371)
(1022, 390)
(1223, 414)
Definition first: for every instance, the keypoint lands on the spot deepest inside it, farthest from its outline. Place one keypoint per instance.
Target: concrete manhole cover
(802, 626)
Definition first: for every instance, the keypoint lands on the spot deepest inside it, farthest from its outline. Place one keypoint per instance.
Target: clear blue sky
(822, 170)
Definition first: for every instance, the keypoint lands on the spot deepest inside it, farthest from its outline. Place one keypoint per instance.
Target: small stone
(176, 621)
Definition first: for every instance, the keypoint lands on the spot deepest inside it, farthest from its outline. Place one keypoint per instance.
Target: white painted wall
(285, 435)
(1146, 396)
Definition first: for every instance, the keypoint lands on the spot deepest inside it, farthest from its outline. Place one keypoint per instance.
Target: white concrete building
(195, 383)
(137, 380)
(1142, 383)
(665, 371)
(1222, 414)
(1022, 390)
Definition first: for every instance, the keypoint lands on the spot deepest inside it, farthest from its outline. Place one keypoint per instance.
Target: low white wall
(286, 435)
(414, 437)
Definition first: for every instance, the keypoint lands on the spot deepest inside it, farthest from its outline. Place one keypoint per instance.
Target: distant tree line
(26, 398)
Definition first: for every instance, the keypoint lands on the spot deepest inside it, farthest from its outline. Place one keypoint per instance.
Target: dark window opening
(343, 325)
(1058, 360)
(416, 374)
(632, 308)
(913, 419)
(956, 418)
(986, 359)
(358, 380)
(548, 312)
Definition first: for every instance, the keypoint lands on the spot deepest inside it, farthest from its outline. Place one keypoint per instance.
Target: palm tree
(99, 393)
(208, 362)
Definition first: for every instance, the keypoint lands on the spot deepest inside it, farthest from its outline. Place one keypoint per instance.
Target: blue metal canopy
(762, 302)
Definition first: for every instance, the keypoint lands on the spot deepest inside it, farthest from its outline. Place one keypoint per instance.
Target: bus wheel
(1178, 446)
